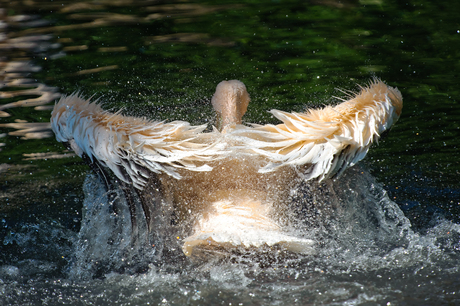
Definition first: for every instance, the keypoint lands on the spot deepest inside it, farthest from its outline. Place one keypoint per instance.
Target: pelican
(228, 186)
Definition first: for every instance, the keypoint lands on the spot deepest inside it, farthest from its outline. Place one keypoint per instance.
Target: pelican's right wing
(129, 146)
(327, 140)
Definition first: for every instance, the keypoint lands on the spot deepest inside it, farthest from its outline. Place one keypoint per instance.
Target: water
(367, 253)
(387, 231)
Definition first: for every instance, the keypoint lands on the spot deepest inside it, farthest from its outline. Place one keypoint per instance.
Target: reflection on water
(166, 60)
(16, 82)
(29, 130)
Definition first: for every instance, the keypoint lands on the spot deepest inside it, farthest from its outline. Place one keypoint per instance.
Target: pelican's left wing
(129, 146)
(327, 140)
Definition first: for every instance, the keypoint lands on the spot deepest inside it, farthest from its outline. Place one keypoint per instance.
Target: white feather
(323, 141)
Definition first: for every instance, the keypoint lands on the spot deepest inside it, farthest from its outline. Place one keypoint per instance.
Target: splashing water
(362, 238)
(355, 225)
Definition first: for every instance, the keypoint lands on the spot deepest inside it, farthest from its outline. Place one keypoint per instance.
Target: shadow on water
(163, 61)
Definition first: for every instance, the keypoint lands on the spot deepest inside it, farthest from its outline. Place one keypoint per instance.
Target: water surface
(163, 61)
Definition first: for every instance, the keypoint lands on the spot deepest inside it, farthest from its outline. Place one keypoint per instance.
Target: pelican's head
(230, 101)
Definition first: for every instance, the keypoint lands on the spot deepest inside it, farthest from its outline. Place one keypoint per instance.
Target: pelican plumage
(225, 175)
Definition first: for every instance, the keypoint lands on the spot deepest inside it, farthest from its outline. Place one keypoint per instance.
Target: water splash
(356, 227)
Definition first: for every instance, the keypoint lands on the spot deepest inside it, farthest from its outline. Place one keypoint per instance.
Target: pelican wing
(129, 146)
(327, 140)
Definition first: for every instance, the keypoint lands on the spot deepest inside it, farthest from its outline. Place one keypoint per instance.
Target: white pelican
(230, 182)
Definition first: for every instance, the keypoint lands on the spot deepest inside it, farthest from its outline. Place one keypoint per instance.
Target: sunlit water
(368, 251)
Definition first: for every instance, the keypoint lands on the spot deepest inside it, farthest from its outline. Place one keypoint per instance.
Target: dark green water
(163, 60)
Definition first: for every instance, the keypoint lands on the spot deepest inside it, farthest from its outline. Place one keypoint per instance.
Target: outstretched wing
(328, 140)
(129, 146)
